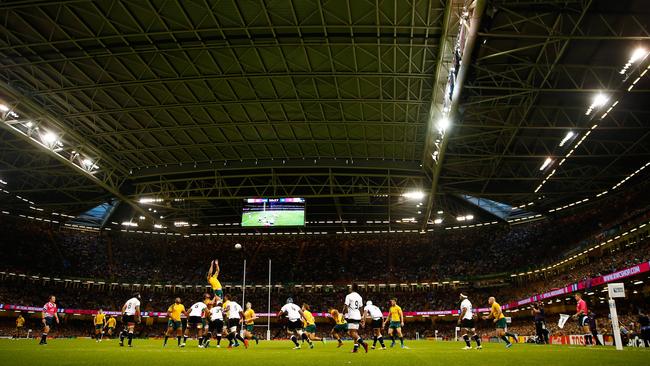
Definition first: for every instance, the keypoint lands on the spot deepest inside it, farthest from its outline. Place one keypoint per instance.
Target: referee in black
(540, 322)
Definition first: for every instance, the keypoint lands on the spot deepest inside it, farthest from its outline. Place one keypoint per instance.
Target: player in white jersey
(130, 316)
(294, 315)
(196, 318)
(374, 313)
(235, 315)
(352, 311)
(215, 328)
(466, 323)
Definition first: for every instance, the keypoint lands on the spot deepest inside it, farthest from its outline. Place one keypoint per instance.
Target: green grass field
(278, 218)
(422, 353)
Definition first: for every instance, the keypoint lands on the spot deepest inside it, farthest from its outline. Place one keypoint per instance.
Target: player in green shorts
(309, 326)
(499, 320)
(340, 326)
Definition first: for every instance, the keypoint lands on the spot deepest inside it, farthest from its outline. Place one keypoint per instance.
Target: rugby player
(396, 318)
(130, 316)
(99, 320)
(249, 323)
(110, 325)
(216, 324)
(174, 313)
(213, 274)
(340, 326)
(20, 324)
(583, 320)
(374, 313)
(198, 312)
(309, 324)
(351, 309)
(235, 315)
(295, 315)
(49, 316)
(466, 323)
(499, 320)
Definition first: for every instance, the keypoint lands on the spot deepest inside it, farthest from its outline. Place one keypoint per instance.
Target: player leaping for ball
(466, 323)
(213, 280)
(352, 311)
(130, 316)
(499, 320)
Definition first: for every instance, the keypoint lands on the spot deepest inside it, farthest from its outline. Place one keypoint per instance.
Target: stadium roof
(203, 103)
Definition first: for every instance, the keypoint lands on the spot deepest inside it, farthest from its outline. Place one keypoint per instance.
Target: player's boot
(467, 347)
(246, 343)
(404, 347)
(296, 347)
(479, 347)
(311, 345)
(508, 345)
(373, 347)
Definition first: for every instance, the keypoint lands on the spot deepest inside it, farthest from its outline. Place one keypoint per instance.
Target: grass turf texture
(151, 352)
(280, 218)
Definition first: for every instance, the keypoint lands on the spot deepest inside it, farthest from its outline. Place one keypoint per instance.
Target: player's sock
(43, 337)
(122, 335)
(392, 339)
(381, 341)
(101, 335)
(401, 341)
(229, 337)
(130, 337)
(505, 339)
(200, 340)
(514, 336)
(218, 339)
(360, 340)
(239, 337)
(294, 340)
(477, 339)
(374, 341)
(165, 342)
(466, 339)
(184, 339)
(340, 341)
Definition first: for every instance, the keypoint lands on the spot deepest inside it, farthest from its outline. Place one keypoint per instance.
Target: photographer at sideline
(540, 322)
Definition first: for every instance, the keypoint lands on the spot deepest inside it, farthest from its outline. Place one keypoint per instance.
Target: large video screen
(266, 212)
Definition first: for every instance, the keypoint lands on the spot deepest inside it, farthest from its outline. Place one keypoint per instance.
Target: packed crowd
(455, 254)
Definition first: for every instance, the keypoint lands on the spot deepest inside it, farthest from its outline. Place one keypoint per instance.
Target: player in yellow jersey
(309, 325)
(100, 322)
(499, 320)
(340, 326)
(110, 325)
(396, 319)
(213, 280)
(174, 324)
(20, 324)
(249, 323)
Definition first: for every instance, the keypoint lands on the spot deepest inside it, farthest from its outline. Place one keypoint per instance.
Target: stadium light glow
(414, 195)
(149, 200)
(437, 221)
(638, 54)
(546, 163)
(181, 223)
(443, 124)
(4, 182)
(566, 138)
(129, 223)
(50, 139)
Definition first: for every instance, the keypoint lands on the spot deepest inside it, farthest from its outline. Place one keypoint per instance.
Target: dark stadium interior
(485, 147)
